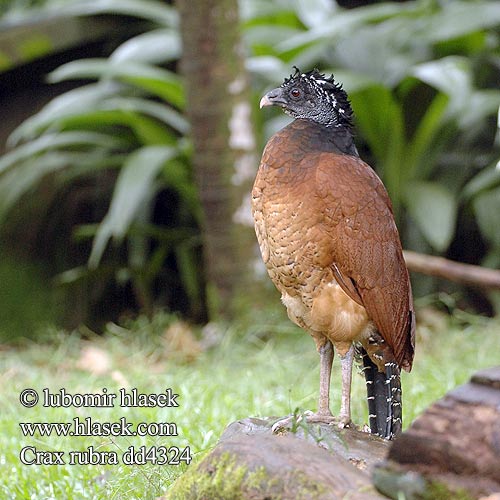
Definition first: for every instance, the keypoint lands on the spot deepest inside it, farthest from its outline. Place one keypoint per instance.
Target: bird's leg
(323, 415)
(345, 405)
(325, 373)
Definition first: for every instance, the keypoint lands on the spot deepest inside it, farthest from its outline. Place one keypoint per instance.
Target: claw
(343, 423)
(281, 424)
(310, 418)
(284, 423)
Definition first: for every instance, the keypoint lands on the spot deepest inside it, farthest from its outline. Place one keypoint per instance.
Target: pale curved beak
(273, 98)
(265, 101)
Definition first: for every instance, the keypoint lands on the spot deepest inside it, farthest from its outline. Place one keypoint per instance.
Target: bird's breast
(298, 256)
(294, 249)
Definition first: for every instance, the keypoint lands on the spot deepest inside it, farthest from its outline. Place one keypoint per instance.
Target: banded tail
(384, 397)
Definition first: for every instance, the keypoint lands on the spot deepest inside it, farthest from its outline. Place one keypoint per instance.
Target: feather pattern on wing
(365, 246)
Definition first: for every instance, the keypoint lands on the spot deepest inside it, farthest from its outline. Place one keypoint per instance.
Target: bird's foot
(341, 422)
(344, 422)
(321, 418)
(289, 422)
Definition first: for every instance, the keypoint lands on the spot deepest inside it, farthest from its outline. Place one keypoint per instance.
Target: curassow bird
(327, 235)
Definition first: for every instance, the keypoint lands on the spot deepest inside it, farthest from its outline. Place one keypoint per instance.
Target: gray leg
(346, 366)
(324, 414)
(325, 373)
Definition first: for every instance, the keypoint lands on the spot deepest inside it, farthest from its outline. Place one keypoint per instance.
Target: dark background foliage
(97, 188)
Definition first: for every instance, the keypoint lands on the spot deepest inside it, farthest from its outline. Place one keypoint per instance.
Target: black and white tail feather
(384, 397)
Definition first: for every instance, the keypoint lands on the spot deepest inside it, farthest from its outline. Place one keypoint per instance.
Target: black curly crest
(335, 93)
(291, 77)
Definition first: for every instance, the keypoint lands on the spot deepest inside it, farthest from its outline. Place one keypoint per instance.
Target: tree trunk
(224, 146)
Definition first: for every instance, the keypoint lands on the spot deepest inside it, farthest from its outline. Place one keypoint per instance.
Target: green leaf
(133, 188)
(482, 104)
(453, 76)
(157, 12)
(94, 114)
(381, 51)
(150, 132)
(158, 81)
(450, 75)
(68, 165)
(56, 141)
(369, 107)
(458, 18)
(314, 12)
(352, 81)
(271, 68)
(265, 37)
(178, 176)
(17, 182)
(82, 98)
(419, 150)
(487, 209)
(153, 47)
(434, 210)
(380, 119)
(169, 89)
(488, 178)
(187, 260)
(261, 11)
(167, 115)
(347, 21)
(91, 68)
(92, 163)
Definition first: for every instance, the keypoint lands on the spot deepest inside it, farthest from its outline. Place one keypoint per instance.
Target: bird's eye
(295, 93)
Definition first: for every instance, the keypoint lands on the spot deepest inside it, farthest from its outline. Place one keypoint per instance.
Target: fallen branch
(440, 267)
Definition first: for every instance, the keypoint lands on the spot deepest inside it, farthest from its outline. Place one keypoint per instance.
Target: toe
(320, 418)
(282, 423)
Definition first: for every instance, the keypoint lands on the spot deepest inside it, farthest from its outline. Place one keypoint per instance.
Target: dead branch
(440, 267)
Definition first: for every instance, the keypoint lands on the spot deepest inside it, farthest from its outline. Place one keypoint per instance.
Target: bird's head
(312, 96)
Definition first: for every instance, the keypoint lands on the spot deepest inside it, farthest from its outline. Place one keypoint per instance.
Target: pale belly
(329, 314)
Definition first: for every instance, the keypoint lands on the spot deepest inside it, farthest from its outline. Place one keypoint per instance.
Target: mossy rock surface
(317, 463)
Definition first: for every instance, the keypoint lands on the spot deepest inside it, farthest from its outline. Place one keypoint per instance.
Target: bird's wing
(367, 257)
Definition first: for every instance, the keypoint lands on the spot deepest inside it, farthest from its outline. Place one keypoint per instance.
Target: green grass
(267, 369)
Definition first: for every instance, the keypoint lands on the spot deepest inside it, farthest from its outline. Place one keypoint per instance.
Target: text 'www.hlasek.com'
(87, 426)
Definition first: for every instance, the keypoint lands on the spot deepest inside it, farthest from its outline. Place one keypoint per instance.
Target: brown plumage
(327, 235)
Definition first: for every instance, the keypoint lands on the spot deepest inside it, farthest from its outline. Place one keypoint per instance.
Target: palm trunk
(224, 146)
